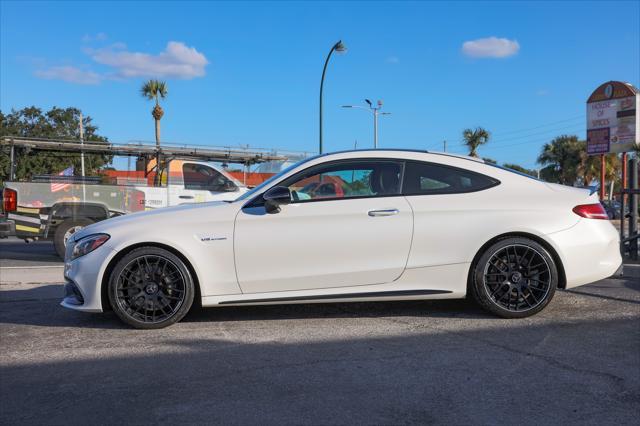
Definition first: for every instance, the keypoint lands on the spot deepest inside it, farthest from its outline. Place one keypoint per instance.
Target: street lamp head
(368, 101)
(340, 47)
(347, 106)
(379, 103)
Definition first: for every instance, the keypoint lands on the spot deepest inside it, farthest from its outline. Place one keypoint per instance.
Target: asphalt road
(577, 362)
(15, 252)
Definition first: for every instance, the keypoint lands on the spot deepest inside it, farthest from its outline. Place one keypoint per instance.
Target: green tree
(489, 160)
(473, 138)
(58, 123)
(561, 159)
(155, 90)
(589, 168)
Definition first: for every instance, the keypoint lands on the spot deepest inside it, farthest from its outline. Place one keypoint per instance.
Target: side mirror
(275, 197)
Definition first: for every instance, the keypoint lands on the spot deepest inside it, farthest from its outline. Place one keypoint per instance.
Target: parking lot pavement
(577, 362)
(16, 253)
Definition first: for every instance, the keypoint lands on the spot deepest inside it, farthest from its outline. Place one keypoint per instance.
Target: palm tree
(473, 138)
(155, 89)
(561, 159)
(589, 168)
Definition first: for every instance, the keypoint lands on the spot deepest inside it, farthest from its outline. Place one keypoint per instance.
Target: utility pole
(12, 163)
(444, 143)
(81, 145)
(84, 193)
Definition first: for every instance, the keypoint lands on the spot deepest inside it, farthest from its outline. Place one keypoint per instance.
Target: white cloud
(70, 74)
(177, 60)
(491, 47)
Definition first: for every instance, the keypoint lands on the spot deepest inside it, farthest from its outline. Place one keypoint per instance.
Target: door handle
(387, 212)
(186, 197)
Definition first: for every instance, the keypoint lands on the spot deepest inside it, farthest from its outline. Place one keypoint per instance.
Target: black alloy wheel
(515, 278)
(151, 288)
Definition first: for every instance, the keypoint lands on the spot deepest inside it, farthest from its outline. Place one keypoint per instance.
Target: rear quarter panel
(451, 228)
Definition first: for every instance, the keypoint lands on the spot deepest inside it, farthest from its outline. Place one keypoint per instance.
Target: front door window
(355, 179)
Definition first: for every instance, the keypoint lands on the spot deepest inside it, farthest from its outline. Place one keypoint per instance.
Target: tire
(514, 278)
(65, 230)
(151, 288)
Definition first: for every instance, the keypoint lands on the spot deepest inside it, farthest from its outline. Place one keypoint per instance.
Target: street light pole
(339, 47)
(375, 129)
(375, 111)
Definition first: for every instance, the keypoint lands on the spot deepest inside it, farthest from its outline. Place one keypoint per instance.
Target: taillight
(591, 211)
(10, 200)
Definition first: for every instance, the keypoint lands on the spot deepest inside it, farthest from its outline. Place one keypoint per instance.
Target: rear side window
(430, 178)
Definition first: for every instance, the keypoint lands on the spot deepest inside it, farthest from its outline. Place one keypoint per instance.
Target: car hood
(155, 220)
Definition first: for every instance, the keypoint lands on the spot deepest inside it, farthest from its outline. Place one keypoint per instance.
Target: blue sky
(248, 73)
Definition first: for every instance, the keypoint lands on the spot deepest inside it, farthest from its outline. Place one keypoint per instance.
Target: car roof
(407, 150)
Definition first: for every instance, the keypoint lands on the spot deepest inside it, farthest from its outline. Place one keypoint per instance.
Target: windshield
(272, 179)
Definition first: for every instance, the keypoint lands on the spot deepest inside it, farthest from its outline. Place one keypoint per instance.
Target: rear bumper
(7, 228)
(589, 251)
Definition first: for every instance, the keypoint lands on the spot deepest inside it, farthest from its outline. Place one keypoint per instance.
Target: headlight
(88, 244)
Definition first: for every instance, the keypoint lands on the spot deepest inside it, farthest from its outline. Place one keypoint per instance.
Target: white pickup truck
(185, 181)
(60, 206)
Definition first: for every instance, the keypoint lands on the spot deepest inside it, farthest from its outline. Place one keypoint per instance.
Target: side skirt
(373, 294)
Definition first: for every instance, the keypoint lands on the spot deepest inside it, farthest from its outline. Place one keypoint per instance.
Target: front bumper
(72, 294)
(83, 291)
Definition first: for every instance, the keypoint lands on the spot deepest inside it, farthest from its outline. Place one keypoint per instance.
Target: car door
(355, 231)
(201, 183)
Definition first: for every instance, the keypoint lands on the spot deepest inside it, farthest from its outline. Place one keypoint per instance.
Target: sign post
(603, 166)
(613, 124)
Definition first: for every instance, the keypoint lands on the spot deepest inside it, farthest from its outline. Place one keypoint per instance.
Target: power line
(516, 144)
(582, 116)
(571, 126)
(542, 125)
(499, 143)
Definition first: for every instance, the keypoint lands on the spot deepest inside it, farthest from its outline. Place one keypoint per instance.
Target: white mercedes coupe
(352, 226)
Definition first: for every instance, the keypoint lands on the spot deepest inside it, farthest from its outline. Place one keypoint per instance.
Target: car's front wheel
(514, 278)
(151, 288)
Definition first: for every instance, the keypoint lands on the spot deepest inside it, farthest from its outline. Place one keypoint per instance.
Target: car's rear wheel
(514, 278)
(151, 288)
